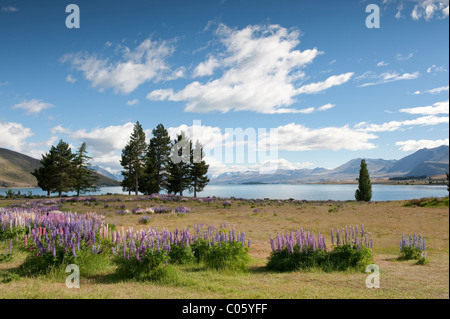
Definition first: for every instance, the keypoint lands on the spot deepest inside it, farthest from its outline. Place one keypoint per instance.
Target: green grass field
(386, 221)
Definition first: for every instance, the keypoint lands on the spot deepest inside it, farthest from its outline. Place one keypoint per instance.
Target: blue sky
(334, 89)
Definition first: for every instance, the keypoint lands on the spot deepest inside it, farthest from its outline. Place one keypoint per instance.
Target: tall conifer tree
(364, 191)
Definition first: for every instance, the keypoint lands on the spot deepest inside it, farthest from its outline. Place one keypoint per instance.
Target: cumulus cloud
(386, 77)
(14, 135)
(296, 137)
(414, 145)
(104, 143)
(32, 106)
(260, 72)
(146, 62)
(436, 108)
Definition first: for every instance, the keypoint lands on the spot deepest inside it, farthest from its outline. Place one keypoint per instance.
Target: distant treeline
(404, 178)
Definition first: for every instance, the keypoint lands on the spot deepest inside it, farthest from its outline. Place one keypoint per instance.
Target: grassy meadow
(386, 221)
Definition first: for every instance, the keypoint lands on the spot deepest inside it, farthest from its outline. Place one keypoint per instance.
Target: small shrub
(413, 248)
(231, 256)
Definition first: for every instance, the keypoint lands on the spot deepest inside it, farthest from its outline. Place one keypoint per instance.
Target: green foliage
(423, 261)
(364, 191)
(348, 257)
(133, 159)
(85, 179)
(63, 171)
(410, 252)
(156, 161)
(152, 267)
(285, 261)
(198, 169)
(7, 257)
(231, 256)
(341, 258)
(427, 202)
(12, 233)
(180, 254)
(179, 165)
(200, 248)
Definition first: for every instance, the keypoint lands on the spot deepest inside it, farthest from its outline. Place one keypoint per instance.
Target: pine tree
(157, 157)
(45, 173)
(65, 168)
(364, 191)
(198, 169)
(133, 161)
(85, 178)
(127, 182)
(57, 173)
(179, 165)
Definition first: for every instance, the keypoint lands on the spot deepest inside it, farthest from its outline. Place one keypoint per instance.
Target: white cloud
(261, 70)
(433, 91)
(436, 69)
(387, 77)
(207, 67)
(133, 102)
(60, 130)
(70, 79)
(326, 107)
(333, 80)
(209, 136)
(413, 145)
(382, 63)
(438, 90)
(14, 135)
(10, 9)
(395, 125)
(4, 83)
(146, 62)
(296, 137)
(398, 15)
(104, 143)
(32, 106)
(401, 57)
(436, 108)
(428, 9)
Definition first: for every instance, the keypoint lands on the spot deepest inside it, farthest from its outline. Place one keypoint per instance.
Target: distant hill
(16, 168)
(427, 162)
(104, 172)
(411, 162)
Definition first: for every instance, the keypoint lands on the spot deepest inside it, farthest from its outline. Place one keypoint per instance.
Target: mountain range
(425, 161)
(16, 168)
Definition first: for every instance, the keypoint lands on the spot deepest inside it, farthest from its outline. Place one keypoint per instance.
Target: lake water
(302, 191)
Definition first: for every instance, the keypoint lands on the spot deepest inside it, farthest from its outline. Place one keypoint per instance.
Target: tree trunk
(137, 184)
(48, 193)
(59, 193)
